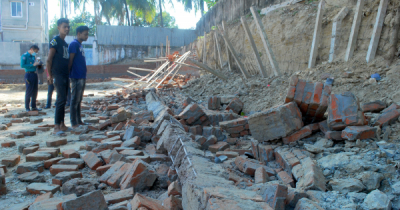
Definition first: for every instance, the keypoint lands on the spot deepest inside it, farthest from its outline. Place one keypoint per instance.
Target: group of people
(66, 73)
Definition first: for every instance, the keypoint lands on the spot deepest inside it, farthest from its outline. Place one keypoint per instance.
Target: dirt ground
(12, 98)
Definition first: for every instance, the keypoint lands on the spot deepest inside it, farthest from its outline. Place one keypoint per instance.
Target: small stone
(377, 200)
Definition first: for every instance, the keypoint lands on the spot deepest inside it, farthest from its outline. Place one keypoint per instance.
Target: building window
(16, 9)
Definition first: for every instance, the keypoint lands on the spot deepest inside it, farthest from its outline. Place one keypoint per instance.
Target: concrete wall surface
(32, 26)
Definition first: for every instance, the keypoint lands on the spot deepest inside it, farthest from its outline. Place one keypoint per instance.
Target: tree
(169, 21)
(84, 19)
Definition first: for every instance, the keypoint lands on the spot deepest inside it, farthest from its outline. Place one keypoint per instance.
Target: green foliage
(168, 21)
(213, 27)
(210, 3)
(85, 19)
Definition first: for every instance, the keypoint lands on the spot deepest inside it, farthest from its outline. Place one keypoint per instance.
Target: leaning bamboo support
(205, 67)
(135, 74)
(158, 71)
(140, 69)
(182, 58)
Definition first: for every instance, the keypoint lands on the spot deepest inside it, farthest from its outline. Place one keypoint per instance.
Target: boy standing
(77, 68)
(31, 77)
(57, 63)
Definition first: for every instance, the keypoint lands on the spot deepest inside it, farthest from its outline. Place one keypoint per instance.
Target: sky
(184, 20)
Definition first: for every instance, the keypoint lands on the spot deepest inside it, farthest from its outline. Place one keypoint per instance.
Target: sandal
(59, 133)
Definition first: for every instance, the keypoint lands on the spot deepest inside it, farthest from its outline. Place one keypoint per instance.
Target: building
(24, 21)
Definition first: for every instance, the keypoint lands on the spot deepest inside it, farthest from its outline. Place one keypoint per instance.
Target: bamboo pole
(140, 69)
(205, 67)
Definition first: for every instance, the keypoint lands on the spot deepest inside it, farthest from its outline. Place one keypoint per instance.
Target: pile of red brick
(311, 98)
(236, 128)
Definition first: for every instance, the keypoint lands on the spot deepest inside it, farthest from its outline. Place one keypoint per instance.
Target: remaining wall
(290, 32)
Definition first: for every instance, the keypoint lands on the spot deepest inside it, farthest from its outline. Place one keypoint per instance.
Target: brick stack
(236, 128)
(311, 98)
(344, 110)
(193, 114)
(276, 123)
(215, 117)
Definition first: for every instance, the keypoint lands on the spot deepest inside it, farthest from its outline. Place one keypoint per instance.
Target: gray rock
(356, 197)
(306, 203)
(91, 200)
(91, 120)
(313, 149)
(371, 180)
(79, 186)
(377, 200)
(334, 161)
(396, 188)
(346, 185)
(325, 143)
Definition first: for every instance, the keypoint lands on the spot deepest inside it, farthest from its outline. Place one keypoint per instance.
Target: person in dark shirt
(77, 67)
(31, 77)
(57, 63)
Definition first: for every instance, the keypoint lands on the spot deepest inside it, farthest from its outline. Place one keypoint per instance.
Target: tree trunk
(202, 7)
(161, 19)
(132, 16)
(127, 13)
(96, 13)
(394, 38)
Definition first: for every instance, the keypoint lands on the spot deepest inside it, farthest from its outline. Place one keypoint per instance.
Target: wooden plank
(235, 56)
(122, 79)
(317, 35)
(158, 60)
(175, 66)
(261, 67)
(355, 28)
(134, 74)
(205, 67)
(264, 38)
(226, 48)
(336, 28)
(140, 69)
(376, 32)
(158, 71)
(188, 65)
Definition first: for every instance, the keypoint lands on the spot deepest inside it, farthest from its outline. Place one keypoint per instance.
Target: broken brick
(38, 188)
(72, 161)
(214, 103)
(17, 135)
(30, 167)
(334, 135)
(62, 177)
(92, 160)
(375, 106)
(8, 144)
(353, 133)
(275, 195)
(344, 110)
(304, 132)
(276, 123)
(50, 162)
(55, 169)
(70, 153)
(116, 178)
(56, 142)
(30, 150)
(174, 189)
(236, 105)
(220, 146)
(11, 160)
(260, 176)
(28, 132)
(142, 201)
(119, 196)
(389, 116)
(229, 154)
(286, 178)
(102, 169)
(36, 121)
(37, 156)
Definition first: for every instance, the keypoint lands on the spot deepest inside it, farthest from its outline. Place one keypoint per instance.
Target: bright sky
(184, 20)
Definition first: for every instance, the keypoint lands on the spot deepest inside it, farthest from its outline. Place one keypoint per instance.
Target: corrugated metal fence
(143, 36)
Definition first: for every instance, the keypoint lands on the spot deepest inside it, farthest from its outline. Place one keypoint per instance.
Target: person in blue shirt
(57, 65)
(77, 68)
(31, 77)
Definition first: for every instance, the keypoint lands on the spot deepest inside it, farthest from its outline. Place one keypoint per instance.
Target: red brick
(174, 189)
(159, 157)
(104, 125)
(298, 97)
(56, 143)
(116, 178)
(275, 195)
(173, 203)
(334, 135)
(265, 153)
(171, 173)
(231, 141)
(28, 132)
(260, 176)
(323, 126)
(119, 196)
(49, 163)
(36, 121)
(43, 197)
(307, 95)
(375, 106)
(11, 160)
(52, 151)
(29, 150)
(112, 107)
(4, 168)
(290, 94)
(115, 167)
(241, 151)
(344, 111)
(44, 129)
(236, 105)
(33, 113)
(115, 138)
(8, 144)
(102, 169)
(229, 154)
(314, 127)
(17, 135)
(389, 116)
(214, 103)
(286, 178)
(142, 201)
(317, 95)
(70, 153)
(17, 120)
(55, 169)
(304, 132)
(61, 178)
(358, 132)
(220, 146)
(92, 160)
